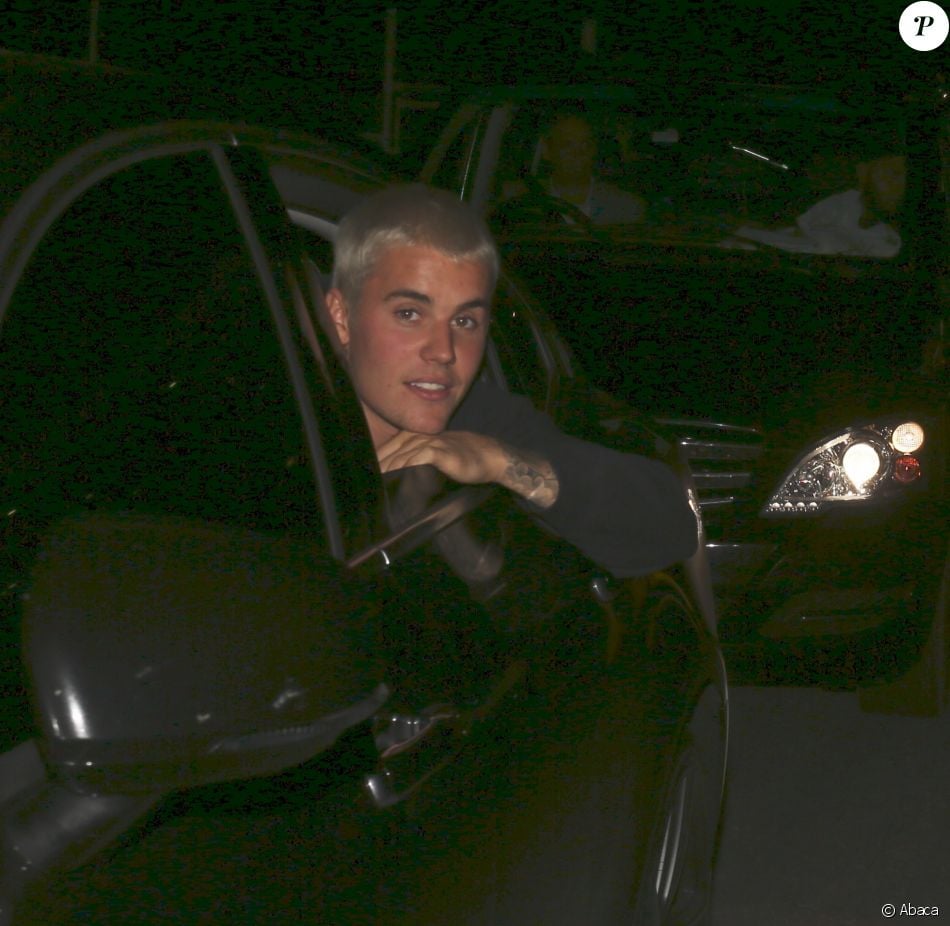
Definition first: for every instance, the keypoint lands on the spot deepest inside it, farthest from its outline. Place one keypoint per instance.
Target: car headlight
(907, 437)
(861, 463)
(852, 466)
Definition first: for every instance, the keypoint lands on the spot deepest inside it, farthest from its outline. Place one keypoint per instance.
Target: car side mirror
(166, 653)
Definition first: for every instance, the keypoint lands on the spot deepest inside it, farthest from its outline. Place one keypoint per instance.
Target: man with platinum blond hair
(410, 301)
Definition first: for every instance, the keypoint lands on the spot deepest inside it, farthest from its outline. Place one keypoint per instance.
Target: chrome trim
(719, 451)
(704, 445)
(705, 423)
(721, 480)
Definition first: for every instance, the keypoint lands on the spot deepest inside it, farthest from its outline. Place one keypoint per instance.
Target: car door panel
(516, 704)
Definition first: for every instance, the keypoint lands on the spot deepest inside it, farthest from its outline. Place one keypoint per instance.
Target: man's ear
(339, 315)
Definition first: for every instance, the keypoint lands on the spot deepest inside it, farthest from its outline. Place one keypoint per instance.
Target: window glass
(454, 166)
(523, 363)
(792, 173)
(139, 366)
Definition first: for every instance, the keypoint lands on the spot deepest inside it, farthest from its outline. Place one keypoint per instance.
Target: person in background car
(568, 172)
(861, 221)
(410, 303)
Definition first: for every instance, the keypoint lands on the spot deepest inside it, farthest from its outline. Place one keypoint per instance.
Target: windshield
(795, 173)
(720, 258)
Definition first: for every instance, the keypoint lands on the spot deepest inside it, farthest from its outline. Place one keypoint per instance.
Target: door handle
(413, 747)
(403, 731)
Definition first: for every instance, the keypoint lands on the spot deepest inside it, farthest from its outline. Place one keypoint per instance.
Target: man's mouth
(429, 389)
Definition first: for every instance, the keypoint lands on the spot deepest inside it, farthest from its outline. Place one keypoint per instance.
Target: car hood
(746, 338)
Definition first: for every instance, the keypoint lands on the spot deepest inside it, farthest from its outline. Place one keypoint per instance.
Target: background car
(769, 356)
(245, 678)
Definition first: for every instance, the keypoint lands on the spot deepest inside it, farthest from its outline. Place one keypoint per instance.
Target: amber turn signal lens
(906, 469)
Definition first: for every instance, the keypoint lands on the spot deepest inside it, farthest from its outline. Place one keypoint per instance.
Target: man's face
(415, 339)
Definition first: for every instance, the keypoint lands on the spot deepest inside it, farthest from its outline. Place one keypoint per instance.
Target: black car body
(767, 355)
(245, 678)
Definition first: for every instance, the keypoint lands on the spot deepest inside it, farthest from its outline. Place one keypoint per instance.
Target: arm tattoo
(531, 477)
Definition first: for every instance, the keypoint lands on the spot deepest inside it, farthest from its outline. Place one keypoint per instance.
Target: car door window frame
(497, 125)
(53, 193)
(278, 298)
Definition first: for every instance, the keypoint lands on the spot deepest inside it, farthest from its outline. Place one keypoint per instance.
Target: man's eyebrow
(477, 303)
(406, 294)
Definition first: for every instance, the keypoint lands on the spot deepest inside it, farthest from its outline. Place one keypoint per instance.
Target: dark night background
(321, 65)
(831, 811)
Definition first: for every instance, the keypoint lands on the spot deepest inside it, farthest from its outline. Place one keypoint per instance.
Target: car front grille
(722, 459)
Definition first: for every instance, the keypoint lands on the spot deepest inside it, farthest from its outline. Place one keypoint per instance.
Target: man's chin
(385, 429)
(429, 420)
(429, 428)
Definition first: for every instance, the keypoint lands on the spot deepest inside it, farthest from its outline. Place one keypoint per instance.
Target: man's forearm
(532, 477)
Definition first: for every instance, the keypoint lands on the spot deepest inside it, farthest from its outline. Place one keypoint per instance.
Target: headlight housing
(852, 466)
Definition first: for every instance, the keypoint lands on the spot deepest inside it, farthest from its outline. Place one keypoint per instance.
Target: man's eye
(407, 314)
(466, 321)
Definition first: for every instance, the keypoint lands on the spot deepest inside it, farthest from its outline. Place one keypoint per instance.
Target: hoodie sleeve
(628, 513)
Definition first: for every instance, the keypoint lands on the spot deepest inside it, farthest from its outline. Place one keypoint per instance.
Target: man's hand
(473, 459)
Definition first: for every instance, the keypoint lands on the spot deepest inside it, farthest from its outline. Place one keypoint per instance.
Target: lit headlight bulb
(907, 437)
(861, 463)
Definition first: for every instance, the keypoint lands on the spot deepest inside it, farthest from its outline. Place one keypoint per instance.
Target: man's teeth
(432, 387)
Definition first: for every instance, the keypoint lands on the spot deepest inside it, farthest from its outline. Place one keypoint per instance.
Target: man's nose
(439, 347)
